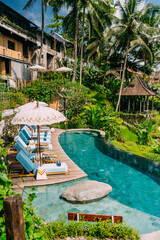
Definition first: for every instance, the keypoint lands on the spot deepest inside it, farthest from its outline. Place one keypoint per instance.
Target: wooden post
(144, 104)
(14, 222)
(129, 104)
(141, 105)
(133, 104)
(147, 103)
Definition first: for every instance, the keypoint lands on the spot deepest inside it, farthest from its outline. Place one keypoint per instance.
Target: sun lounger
(33, 147)
(26, 137)
(43, 128)
(32, 168)
(25, 143)
(20, 147)
(42, 134)
(23, 137)
(94, 217)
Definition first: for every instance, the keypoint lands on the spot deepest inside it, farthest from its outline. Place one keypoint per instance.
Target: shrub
(105, 229)
(131, 118)
(42, 91)
(16, 99)
(10, 131)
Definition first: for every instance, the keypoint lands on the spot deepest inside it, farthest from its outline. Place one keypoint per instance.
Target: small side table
(50, 157)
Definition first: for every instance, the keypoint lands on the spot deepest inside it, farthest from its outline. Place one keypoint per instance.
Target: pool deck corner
(151, 236)
(74, 172)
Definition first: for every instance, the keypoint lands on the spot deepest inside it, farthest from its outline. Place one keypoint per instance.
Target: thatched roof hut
(135, 89)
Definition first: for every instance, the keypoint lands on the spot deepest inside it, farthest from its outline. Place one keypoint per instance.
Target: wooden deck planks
(74, 172)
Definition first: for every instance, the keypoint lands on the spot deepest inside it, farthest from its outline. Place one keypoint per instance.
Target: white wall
(20, 71)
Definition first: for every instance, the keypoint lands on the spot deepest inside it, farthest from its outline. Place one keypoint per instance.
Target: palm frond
(29, 4)
(140, 43)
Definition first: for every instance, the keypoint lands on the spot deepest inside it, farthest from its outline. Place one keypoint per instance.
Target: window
(25, 50)
(58, 47)
(52, 44)
(11, 45)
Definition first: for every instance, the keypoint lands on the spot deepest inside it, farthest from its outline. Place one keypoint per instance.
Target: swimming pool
(134, 194)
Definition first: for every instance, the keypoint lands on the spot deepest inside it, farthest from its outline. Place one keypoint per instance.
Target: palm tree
(43, 8)
(75, 42)
(57, 5)
(82, 41)
(152, 18)
(131, 33)
(98, 16)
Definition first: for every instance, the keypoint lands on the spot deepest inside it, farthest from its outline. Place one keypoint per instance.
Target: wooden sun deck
(74, 172)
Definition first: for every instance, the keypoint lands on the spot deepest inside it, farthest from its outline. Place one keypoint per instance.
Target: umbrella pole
(38, 146)
(41, 173)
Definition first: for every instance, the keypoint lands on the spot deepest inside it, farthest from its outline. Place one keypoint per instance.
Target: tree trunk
(144, 57)
(54, 53)
(124, 69)
(42, 35)
(84, 8)
(75, 44)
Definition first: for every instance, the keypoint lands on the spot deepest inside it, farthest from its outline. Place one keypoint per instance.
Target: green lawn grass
(141, 150)
(126, 135)
(127, 141)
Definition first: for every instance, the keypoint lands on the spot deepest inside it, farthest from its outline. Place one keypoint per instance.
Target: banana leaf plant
(155, 145)
(101, 117)
(144, 130)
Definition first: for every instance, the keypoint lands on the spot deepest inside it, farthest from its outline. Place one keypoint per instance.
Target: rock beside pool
(87, 191)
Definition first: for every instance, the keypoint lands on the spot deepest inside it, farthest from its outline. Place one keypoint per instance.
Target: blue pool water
(134, 195)
(129, 186)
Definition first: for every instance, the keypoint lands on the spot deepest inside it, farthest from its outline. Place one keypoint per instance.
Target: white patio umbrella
(63, 69)
(30, 105)
(38, 116)
(37, 68)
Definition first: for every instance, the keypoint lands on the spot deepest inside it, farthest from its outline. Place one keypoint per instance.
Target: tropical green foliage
(93, 115)
(16, 98)
(32, 221)
(101, 117)
(156, 146)
(39, 90)
(77, 97)
(5, 188)
(56, 25)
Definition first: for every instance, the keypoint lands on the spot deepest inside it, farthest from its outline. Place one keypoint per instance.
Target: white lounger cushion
(53, 168)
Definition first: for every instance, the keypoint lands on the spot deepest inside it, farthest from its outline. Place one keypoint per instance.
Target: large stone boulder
(87, 191)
